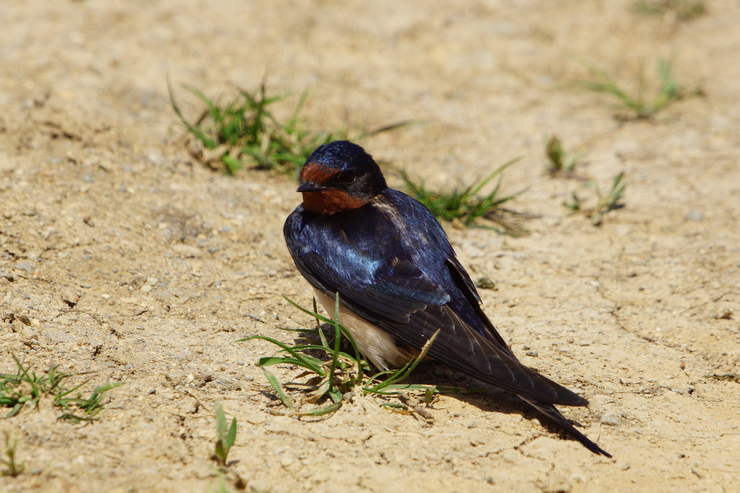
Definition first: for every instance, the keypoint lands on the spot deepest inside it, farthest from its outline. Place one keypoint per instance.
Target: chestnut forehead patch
(317, 173)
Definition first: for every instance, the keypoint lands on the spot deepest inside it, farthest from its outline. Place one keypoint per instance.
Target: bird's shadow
(483, 396)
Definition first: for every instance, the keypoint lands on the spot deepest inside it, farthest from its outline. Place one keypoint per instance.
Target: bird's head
(339, 176)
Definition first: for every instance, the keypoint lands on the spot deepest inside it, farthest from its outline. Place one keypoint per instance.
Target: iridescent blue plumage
(393, 267)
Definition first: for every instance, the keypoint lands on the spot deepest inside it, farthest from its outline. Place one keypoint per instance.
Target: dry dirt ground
(172, 262)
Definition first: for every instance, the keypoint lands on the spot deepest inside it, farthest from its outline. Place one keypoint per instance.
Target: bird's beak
(307, 186)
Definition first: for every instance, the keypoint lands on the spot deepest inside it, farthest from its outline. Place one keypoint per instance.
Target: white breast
(374, 343)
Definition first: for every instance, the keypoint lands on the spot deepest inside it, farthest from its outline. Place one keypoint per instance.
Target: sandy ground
(172, 262)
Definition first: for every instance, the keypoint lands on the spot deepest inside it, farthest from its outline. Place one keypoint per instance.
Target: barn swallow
(399, 280)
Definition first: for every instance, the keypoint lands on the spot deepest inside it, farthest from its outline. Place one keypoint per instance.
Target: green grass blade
(386, 128)
(305, 362)
(308, 312)
(332, 408)
(357, 358)
(278, 388)
(395, 405)
(16, 409)
(231, 435)
(302, 331)
(67, 392)
(194, 129)
(220, 420)
(407, 369)
(337, 342)
(495, 173)
(280, 360)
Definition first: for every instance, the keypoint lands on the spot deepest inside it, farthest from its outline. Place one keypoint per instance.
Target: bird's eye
(349, 177)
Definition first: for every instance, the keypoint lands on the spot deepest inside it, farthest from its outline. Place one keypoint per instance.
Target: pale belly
(374, 343)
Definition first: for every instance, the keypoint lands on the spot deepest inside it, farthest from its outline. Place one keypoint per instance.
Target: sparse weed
(9, 459)
(26, 387)
(683, 10)
(486, 283)
(222, 487)
(227, 477)
(604, 203)
(727, 377)
(244, 131)
(336, 375)
(464, 205)
(225, 438)
(639, 107)
(561, 163)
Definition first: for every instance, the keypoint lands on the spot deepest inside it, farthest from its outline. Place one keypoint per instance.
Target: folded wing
(400, 298)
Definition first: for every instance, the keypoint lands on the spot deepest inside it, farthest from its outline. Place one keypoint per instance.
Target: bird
(399, 280)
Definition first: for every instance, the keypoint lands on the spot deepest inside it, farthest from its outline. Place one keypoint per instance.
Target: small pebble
(155, 157)
(286, 461)
(694, 215)
(557, 484)
(70, 297)
(725, 315)
(623, 230)
(29, 335)
(611, 420)
(25, 266)
(187, 251)
(532, 353)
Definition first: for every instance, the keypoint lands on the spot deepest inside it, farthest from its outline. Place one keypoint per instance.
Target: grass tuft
(727, 377)
(637, 105)
(12, 467)
(244, 132)
(336, 375)
(28, 388)
(683, 10)
(225, 437)
(561, 163)
(604, 203)
(464, 205)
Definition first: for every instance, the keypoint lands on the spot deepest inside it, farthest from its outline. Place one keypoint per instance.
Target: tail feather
(551, 412)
